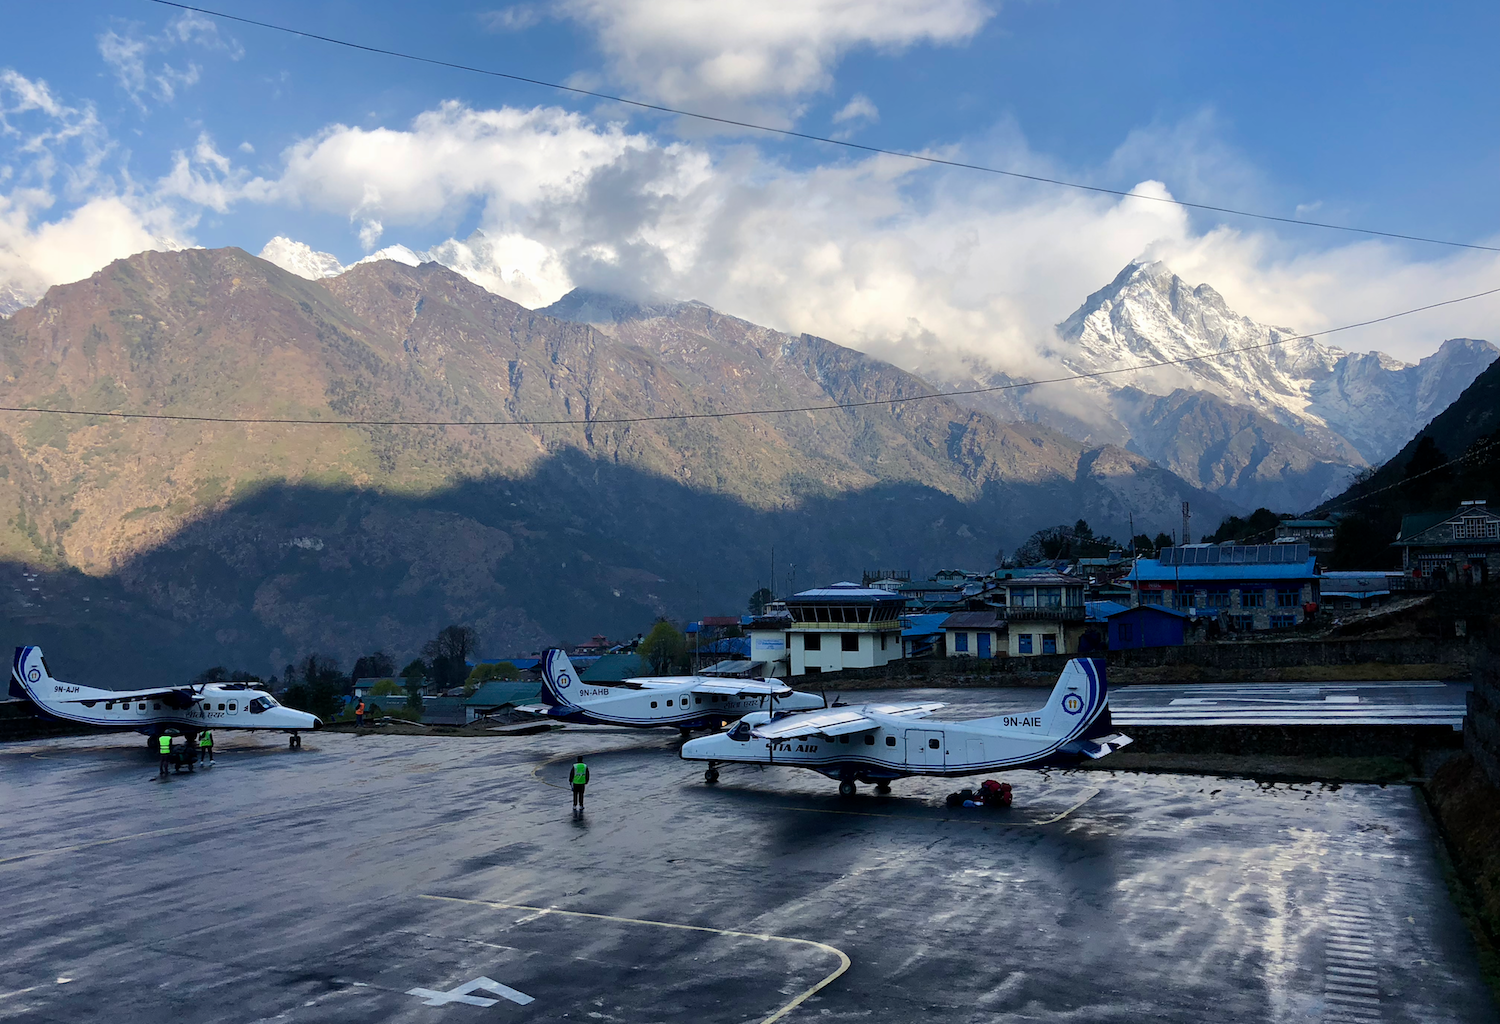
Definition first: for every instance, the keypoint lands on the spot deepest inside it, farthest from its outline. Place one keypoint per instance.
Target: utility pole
(1132, 534)
(1186, 515)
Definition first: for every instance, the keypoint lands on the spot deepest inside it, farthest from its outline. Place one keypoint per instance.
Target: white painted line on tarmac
(464, 994)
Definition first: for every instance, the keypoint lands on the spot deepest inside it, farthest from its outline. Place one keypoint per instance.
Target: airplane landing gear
(712, 774)
(882, 788)
(846, 788)
(294, 742)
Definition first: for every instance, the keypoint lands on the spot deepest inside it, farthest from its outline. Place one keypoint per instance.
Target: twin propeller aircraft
(187, 709)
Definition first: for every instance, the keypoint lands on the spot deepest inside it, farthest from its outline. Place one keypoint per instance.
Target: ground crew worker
(206, 745)
(164, 747)
(359, 714)
(580, 780)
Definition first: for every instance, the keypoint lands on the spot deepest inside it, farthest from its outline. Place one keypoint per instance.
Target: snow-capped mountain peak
(301, 259)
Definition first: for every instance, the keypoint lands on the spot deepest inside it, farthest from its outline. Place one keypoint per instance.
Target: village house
(1460, 547)
(1258, 586)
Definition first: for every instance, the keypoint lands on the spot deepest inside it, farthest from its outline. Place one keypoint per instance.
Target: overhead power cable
(809, 137)
(733, 413)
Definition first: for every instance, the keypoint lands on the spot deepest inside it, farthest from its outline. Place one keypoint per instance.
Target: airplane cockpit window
(258, 705)
(740, 733)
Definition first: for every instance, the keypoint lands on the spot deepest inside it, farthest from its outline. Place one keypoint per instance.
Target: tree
(1257, 528)
(1429, 462)
(374, 666)
(449, 651)
(320, 686)
(219, 674)
(1162, 541)
(1143, 545)
(760, 599)
(664, 648)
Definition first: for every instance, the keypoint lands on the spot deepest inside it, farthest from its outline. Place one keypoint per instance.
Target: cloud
(743, 58)
(859, 108)
(130, 55)
(516, 18)
(925, 267)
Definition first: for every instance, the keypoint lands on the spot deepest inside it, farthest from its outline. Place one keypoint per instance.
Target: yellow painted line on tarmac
(844, 961)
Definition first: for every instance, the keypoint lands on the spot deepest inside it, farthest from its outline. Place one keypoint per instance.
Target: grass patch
(140, 513)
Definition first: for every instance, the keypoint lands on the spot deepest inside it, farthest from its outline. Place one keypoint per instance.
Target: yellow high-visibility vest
(205, 739)
(165, 744)
(580, 774)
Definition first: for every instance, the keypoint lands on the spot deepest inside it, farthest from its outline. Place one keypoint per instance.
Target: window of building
(882, 640)
(1049, 597)
(1245, 622)
(1023, 643)
(1049, 643)
(1127, 632)
(890, 741)
(813, 670)
(812, 641)
(1476, 528)
(850, 641)
(1288, 598)
(1283, 621)
(1252, 599)
(1152, 597)
(1216, 599)
(960, 641)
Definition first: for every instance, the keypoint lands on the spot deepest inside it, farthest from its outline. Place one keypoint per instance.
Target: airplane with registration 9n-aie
(684, 702)
(187, 709)
(876, 743)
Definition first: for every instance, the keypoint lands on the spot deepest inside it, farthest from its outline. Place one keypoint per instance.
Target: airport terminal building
(826, 630)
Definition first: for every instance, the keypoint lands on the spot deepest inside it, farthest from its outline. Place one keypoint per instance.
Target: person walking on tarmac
(359, 714)
(164, 748)
(206, 746)
(580, 781)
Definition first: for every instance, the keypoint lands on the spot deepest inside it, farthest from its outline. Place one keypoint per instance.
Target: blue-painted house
(1146, 625)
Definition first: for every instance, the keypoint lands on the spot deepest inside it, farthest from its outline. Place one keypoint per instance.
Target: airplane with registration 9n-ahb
(187, 709)
(876, 743)
(684, 702)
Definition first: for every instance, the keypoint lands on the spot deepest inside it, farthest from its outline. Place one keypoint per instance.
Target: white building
(827, 630)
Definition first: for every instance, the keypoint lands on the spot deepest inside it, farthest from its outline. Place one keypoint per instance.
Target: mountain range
(1254, 413)
(593, 506)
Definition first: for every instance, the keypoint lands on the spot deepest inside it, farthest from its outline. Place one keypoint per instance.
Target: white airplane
(686, 702)
(188, 709)
(875, 743)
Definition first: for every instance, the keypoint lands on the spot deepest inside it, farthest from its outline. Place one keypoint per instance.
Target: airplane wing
(745, 688)
(836, 721)
(175, 693)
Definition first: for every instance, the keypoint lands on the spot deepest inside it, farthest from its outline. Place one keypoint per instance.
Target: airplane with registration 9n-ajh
(187, 709)
(876, 743)
(685, 702)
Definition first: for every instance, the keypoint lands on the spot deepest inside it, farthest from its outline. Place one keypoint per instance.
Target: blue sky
(170, 129)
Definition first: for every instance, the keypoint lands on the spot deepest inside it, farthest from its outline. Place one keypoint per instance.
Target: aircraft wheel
(711, 776)
(882, 788)
(846, 788)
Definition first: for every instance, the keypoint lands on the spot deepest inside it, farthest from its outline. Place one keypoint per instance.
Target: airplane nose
(317, 722)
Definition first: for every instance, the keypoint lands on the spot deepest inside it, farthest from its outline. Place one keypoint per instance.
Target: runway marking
(1351, 987)
(461, 994)
(798, 1000)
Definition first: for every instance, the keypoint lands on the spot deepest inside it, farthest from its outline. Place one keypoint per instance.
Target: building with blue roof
(1258, 586)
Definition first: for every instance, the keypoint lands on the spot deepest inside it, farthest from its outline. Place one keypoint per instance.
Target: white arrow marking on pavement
(461, 994)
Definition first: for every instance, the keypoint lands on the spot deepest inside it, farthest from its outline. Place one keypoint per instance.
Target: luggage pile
(991, 794)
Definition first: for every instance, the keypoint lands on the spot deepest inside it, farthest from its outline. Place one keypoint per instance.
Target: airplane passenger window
(843, 739)
(221, 707)
(109, 707)
(143, 707)
(231, 707)
(653, 703)
(156, 707)
(207, 706)
(869, 741)
(933, 744)
(890, 741)
(697, 700)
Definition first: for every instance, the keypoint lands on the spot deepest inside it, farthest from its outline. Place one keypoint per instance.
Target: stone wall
(1482, 723)
(1456, 656)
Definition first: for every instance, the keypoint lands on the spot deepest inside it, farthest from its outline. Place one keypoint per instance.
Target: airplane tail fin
(559, 679)
(27, 670)
(1080, 696)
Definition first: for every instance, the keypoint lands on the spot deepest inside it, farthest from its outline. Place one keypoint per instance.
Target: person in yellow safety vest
(164, 747)
(580, 779)
(206, 746)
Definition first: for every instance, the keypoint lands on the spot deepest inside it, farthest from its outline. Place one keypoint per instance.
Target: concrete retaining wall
(19, 721)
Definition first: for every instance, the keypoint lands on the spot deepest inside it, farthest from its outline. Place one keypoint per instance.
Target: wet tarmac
(446, 879)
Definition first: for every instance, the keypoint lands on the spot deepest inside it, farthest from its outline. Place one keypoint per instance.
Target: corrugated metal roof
(925, 624)
(1152, 571)
(973, 620)
(1151, 608)
(501, 691)
(612, 668)
(844, 592)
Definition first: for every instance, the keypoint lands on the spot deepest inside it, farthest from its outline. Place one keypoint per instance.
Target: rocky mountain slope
(1285, 423)
(262, 542)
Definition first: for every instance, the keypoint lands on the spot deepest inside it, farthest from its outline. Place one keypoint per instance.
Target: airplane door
(924, 747)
